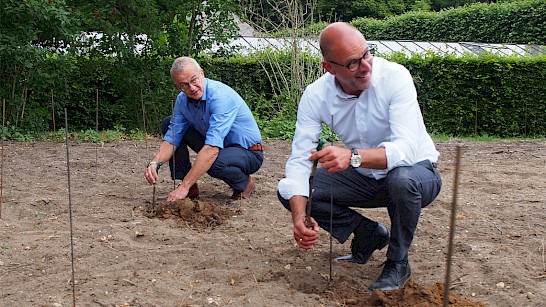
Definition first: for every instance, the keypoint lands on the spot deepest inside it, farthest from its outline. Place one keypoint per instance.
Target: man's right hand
(306, 236)
(151, 173)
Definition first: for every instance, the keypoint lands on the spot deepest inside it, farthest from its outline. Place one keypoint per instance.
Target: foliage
(347, 10)
(486, 95)
(28, 31)
(518, 22)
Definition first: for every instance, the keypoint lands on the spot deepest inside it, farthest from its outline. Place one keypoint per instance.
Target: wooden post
(452, 225)
(97, 126)
(2, 163)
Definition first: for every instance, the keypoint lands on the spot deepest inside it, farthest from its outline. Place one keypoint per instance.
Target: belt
(257, 147)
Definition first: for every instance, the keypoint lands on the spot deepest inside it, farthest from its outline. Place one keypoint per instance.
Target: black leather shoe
(363, 246)
(394, 276)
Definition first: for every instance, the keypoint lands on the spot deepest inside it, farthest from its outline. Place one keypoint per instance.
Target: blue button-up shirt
(221, 115)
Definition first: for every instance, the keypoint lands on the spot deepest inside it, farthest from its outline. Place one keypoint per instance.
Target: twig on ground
(259, 289)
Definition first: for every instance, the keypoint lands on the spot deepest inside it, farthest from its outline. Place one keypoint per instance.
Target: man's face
(191, 81)
(352, 66)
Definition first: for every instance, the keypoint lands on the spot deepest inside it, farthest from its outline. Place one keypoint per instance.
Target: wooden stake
(53, 111)
(70, 209)
(2, 165)
(143, 118)
(97, 126)
(452, 225)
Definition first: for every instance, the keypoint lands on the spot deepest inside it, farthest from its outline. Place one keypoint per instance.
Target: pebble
(500, 285)
(530, 295)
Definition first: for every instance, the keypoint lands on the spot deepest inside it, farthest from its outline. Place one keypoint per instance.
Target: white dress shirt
(387, 115)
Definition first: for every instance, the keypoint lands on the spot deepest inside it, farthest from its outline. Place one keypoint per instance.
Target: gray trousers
(403, 192)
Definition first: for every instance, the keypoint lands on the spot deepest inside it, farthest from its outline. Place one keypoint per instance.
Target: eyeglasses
(186, 86)
(354, 64)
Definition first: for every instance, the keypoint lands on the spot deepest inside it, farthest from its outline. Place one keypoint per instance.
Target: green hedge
(486, 95)
(521, 22)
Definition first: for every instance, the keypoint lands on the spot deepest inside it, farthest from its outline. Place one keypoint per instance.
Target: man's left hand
(178, 193)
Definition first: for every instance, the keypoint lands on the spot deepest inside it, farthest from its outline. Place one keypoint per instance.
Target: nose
(364, 65)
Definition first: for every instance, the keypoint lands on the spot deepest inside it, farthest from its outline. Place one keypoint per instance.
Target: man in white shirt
(389, 159)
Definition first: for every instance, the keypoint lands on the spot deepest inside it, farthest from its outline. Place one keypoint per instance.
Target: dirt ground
(206, 253)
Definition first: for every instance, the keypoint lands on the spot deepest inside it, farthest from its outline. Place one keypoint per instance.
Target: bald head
(336, 35)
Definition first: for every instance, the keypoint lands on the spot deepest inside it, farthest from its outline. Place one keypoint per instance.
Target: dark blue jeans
(404, 192)
(233, 164)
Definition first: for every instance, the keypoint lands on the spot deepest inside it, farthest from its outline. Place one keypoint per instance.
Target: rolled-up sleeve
(298, 166)
(405, 122)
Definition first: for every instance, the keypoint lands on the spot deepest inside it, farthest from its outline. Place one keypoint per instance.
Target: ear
(328, 67)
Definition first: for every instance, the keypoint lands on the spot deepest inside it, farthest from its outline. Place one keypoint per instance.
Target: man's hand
(333, 159)
(179, 193)
(305, 236)
(151, 173)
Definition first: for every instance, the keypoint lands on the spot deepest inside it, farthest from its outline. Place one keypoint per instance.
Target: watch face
(355, 161)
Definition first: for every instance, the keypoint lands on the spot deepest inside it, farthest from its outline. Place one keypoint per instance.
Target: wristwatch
(356, 159)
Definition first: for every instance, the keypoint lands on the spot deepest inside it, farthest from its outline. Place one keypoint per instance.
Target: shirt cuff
(290, 187)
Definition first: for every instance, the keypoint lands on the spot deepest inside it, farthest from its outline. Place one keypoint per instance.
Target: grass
(482, 138)
(276, 129)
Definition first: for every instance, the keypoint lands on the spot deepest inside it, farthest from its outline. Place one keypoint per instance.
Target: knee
(401, 185)
(217, 169)
(165, 124)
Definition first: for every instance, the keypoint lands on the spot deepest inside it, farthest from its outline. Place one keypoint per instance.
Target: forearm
(375, 158)
(204, 160)
(298, 205)
(165, 152)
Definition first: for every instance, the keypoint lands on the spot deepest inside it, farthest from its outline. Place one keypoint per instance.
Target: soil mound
(194, 213)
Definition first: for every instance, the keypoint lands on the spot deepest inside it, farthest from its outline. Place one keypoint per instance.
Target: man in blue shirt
(214, 121)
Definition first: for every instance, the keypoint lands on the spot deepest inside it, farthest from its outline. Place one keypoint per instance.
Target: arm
(337, 159)
(204, 160)
(164, 153)
(304, 236)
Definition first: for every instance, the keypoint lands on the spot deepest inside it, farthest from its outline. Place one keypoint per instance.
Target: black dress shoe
(394, 276)
(363, 246)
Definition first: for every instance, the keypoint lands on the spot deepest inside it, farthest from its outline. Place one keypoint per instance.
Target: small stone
(473, 294)
(500, 285)
(530, 295)
(308, 268)
(287, 267)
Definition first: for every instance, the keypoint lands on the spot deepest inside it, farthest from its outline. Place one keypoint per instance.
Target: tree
(29, 31)
(190, 27)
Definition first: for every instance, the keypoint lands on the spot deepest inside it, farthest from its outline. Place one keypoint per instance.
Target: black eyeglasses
(354, 64)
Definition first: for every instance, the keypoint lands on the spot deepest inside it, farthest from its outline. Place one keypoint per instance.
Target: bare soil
(206, 253)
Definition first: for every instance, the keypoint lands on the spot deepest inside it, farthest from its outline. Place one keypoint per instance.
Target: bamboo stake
(2, 165)
(70, 209)
(53, 111)
(452, 225)
(143, 117)
(97, 126)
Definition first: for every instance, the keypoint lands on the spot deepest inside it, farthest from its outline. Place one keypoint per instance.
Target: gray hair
(182, 63)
